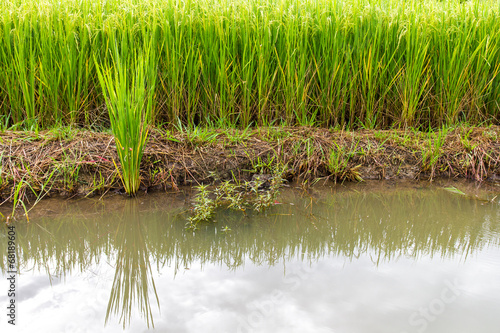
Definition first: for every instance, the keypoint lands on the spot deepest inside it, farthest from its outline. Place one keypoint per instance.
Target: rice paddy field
(223, 63)
(234, 126)
(199, 72)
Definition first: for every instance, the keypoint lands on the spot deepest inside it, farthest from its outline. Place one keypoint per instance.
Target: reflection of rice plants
(138, 240)
(128, 87)
(133, 281)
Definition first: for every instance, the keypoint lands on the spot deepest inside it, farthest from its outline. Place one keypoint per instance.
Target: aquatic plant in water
(257, 194)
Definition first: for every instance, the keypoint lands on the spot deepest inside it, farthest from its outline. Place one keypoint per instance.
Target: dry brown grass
(81, 163)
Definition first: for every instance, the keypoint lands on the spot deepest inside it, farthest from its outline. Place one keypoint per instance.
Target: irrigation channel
(366, 257)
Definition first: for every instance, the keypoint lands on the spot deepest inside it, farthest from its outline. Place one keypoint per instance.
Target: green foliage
(227, 63)
(338, 162)
(128, 92)
(434, 150)
(257, 194)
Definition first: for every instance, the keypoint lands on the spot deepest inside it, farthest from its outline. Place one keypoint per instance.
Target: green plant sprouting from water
(257, 194)
(203, 206)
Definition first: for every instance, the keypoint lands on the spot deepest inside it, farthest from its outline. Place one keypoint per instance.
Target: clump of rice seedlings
(128, 87)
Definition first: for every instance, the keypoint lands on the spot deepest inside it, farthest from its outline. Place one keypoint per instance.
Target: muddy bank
(73, 162)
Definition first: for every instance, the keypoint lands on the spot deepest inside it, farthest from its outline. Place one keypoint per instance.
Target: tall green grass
(128, 92)
(228, 63)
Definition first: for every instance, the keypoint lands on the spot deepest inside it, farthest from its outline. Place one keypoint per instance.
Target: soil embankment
(85, 163)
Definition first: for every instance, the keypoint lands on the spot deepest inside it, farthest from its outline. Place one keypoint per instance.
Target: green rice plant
(455, 47)
(50, 77)
(415, 78)
(19, 70)
(292, 56)
(180, 77)
(451, 87)
(128, 93)
(77, 69)
(247, 64)
(374, 58)
(267, 70)
(484, 71)
(227, 63)
(331, 70)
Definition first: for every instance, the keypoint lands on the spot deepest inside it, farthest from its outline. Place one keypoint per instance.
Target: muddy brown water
(372, 257)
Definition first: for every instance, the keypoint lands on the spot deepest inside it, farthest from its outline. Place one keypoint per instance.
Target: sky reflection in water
(391, 259)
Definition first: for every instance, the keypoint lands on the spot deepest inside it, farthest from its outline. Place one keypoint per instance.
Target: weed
(241, 196)
(203, 207)
(18, 195)
(338, 162)
(433, 151)
(226, 229)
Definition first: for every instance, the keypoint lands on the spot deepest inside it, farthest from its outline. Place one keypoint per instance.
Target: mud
(80, 163)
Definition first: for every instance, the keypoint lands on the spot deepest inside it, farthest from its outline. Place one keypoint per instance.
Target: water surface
(372, 257)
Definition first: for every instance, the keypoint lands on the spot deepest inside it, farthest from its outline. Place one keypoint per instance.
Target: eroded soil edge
(85, 163)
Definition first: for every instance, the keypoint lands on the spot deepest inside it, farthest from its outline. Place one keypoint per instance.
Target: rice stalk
(223, 63)
(129, 98)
